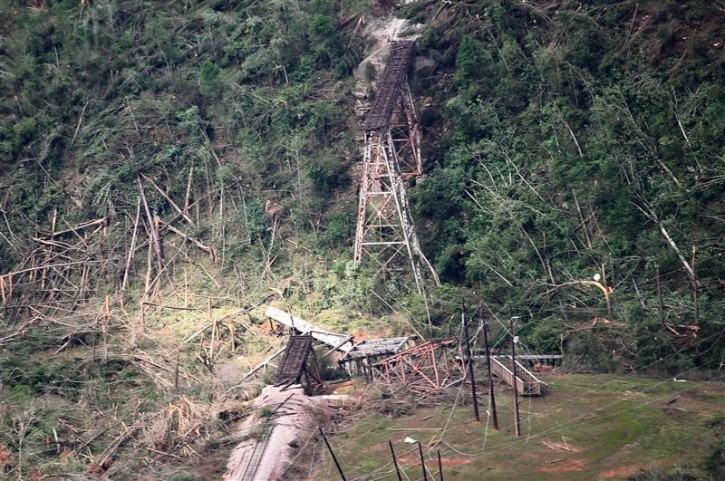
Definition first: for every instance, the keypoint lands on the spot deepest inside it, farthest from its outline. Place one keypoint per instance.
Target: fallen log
(81, 226)
(197, 243)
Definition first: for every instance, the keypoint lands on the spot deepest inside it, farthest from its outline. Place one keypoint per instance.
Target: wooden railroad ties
(296, 325)
(257, 454)
(423, 368)
(299, 360)
(250, 471)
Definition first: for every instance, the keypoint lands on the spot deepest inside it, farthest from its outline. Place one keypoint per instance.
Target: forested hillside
(204, 154)
(576, 142)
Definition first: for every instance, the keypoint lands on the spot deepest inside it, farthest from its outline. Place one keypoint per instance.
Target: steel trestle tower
(385, 230)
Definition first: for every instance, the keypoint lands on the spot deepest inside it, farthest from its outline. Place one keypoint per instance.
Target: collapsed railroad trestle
(385, 230)
(425, 368)
(299, 363)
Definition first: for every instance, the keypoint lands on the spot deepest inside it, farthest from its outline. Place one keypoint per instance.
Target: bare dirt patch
(453, 461)
(565, 466)
(283, 420)
(281, 416)
(624, 471)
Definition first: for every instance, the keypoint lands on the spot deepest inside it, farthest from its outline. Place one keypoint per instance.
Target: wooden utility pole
(422, 462)
(491, 395)
(334, 458)
(515, 384)
(440, 466)
(395, 460)
(470, 363)
(694, 285)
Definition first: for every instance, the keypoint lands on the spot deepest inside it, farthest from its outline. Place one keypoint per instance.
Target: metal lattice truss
(425, 368)
(385, 230)
(364, 354)
(405, 135)
(372, 348)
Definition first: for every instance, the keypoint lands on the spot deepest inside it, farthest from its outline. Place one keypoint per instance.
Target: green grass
(585, 428)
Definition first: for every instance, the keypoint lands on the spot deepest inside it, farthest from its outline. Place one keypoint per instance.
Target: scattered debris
(425, 368)
(338, 342)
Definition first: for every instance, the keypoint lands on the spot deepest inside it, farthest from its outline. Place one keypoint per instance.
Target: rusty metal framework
(385, 230)
(425, 368)
(364, 354)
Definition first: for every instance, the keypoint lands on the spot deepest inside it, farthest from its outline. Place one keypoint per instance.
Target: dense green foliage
(572, 142)
(249, 94)
(227, 107)
(572, 149)
(569, 143)
(577, 140)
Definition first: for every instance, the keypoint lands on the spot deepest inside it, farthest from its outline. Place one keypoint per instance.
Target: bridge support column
(385, 231)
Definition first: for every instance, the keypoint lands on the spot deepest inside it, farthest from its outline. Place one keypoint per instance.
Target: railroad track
(261, 445)
(390, 87)
(257, 454)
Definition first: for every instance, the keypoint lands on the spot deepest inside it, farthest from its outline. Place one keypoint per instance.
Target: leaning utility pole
(469, 355)
(422, 462)
(395, 460)
(334, 458)
(440, 466)
(494, 416)
(515, 384)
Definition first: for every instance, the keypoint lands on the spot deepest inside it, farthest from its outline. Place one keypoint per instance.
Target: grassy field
(586, 427)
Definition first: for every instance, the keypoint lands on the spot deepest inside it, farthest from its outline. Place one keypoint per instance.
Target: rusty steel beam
(423, 369)
(385, 230)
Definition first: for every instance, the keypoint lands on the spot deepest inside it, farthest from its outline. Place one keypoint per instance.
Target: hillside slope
(575, 165)
(166, 168)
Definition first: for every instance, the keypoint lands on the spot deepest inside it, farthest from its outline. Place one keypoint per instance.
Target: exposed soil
(565, 466)
(286, 417)
(624, 471)
(382, 31)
